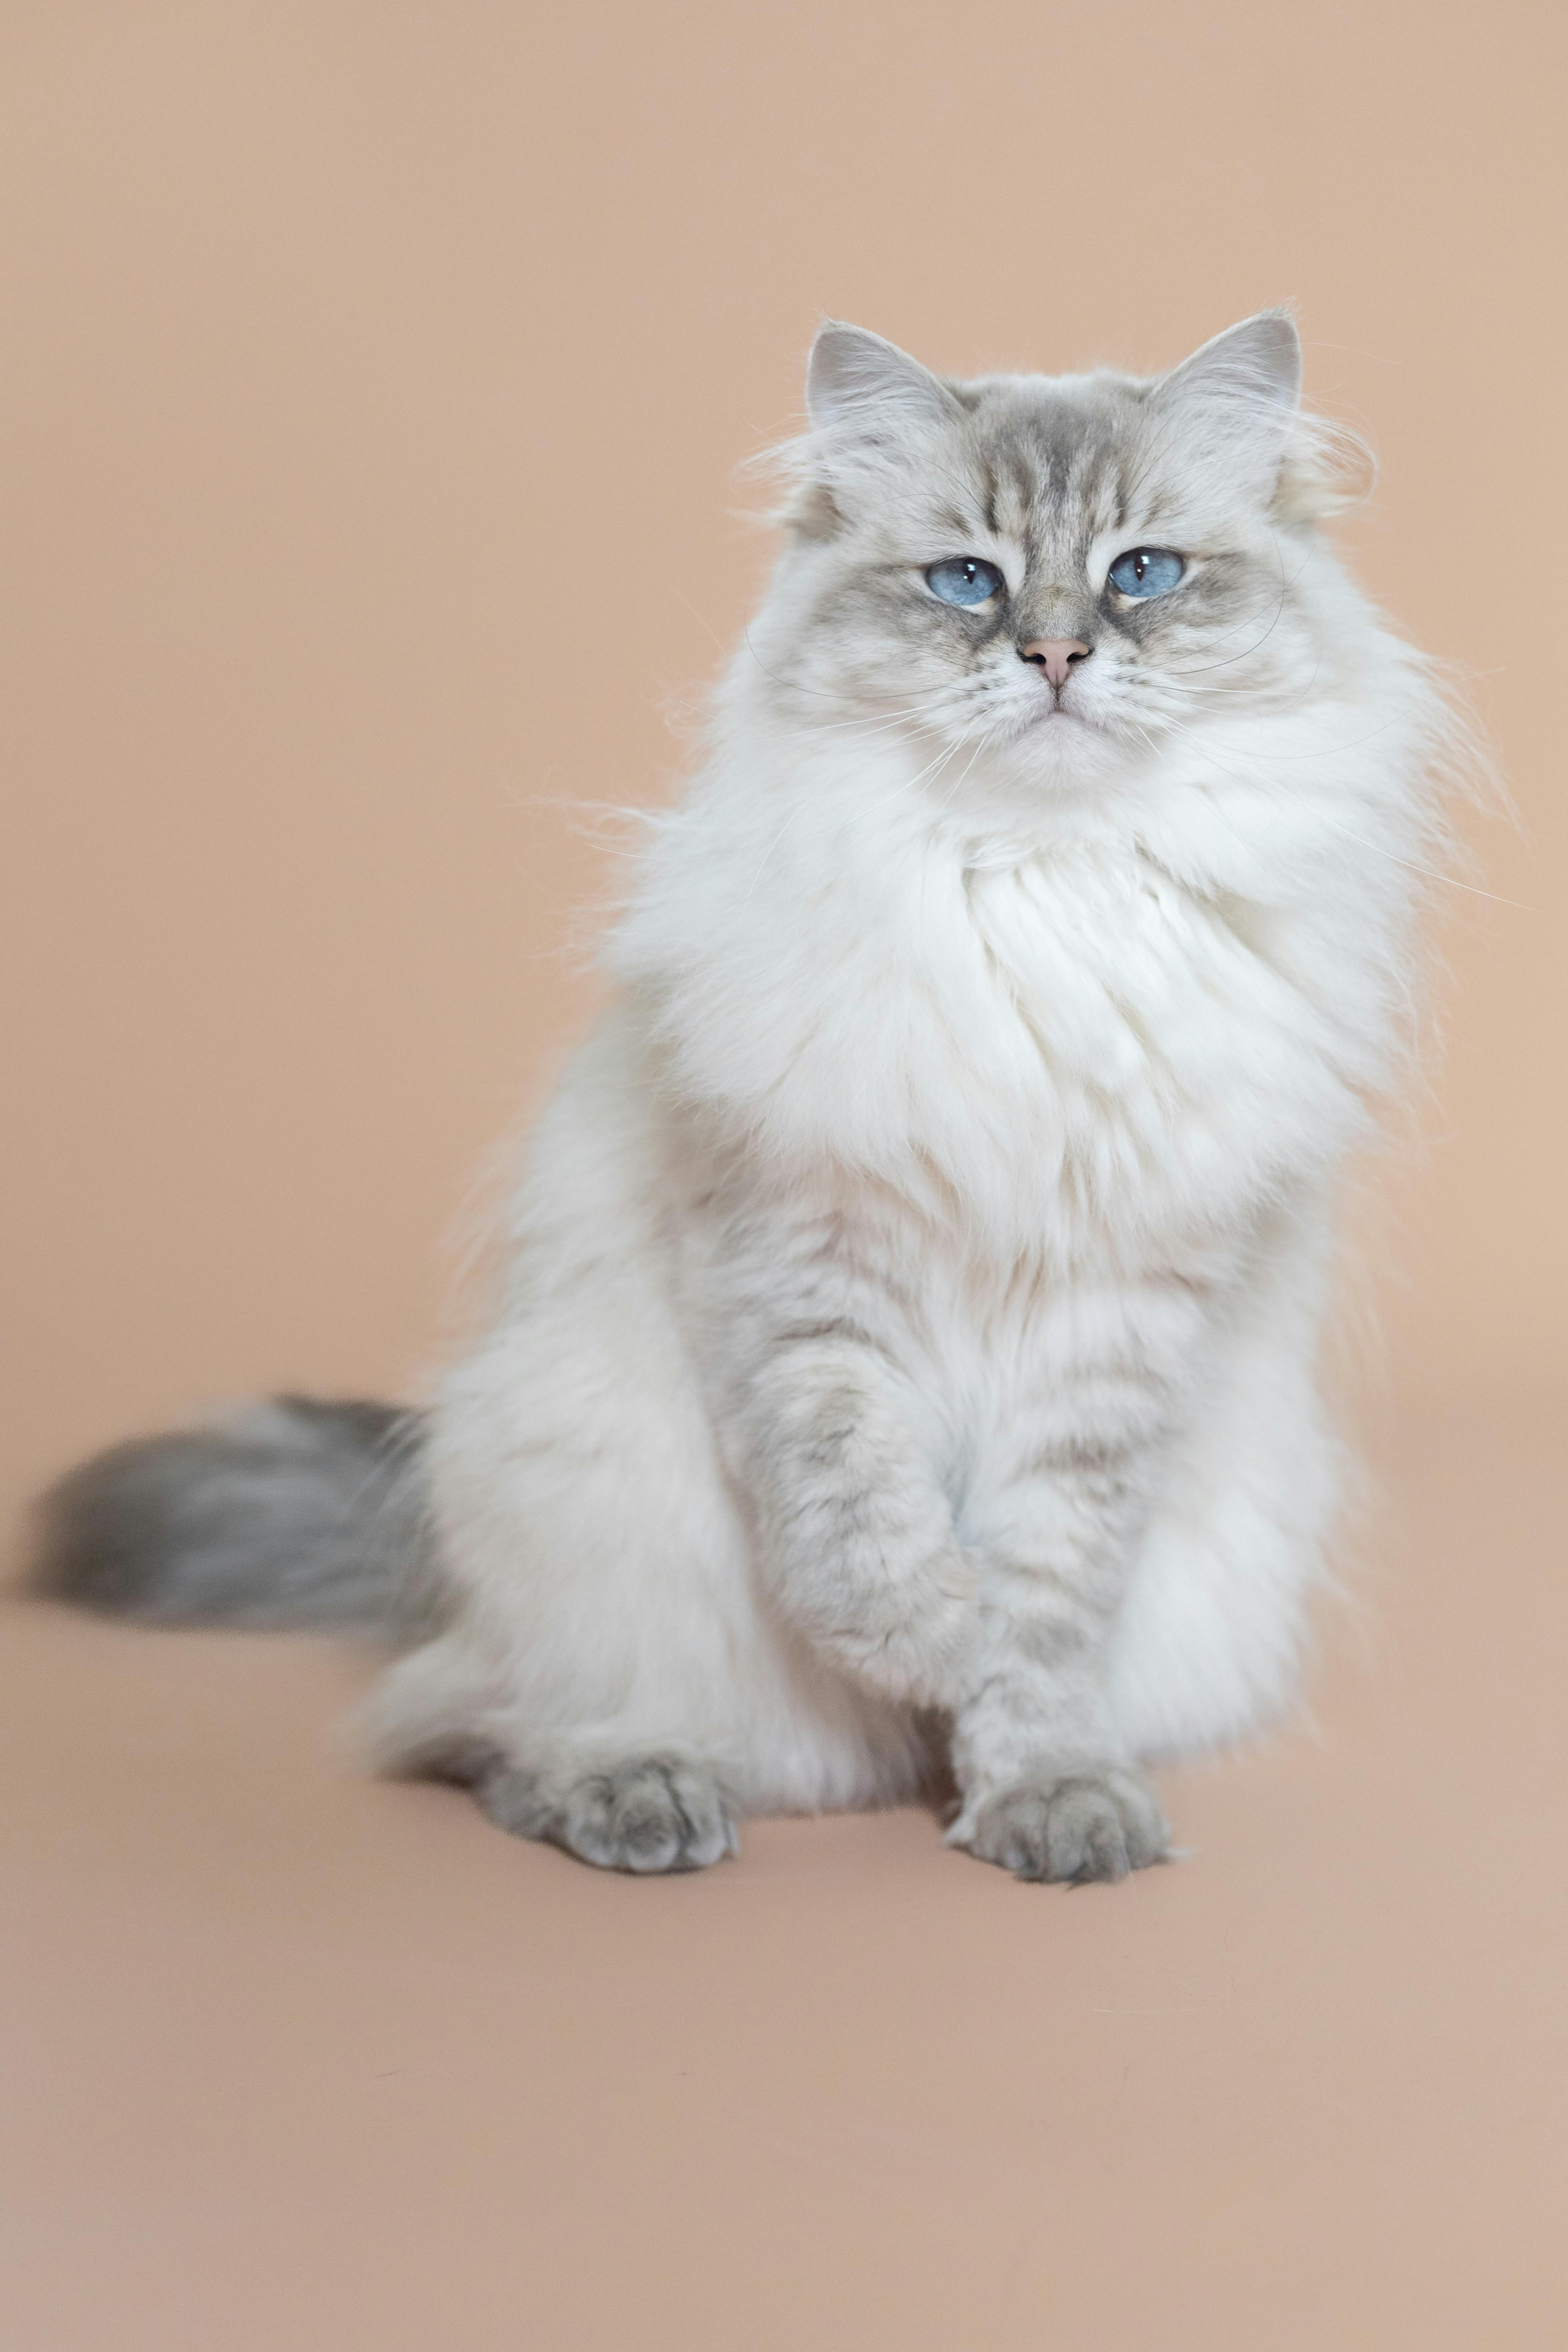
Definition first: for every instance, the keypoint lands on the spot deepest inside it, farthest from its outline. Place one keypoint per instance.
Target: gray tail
(290, 1513)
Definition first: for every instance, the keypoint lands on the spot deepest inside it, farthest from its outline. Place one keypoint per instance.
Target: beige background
(375, 382)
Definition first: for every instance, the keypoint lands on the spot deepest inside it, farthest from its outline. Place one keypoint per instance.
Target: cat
(906, 1371)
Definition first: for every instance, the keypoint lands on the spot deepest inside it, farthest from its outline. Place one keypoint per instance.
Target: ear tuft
(855, 377)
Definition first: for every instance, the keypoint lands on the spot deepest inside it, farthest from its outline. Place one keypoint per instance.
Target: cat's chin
(1060, 741)
(1035, 720)
(1061, 754)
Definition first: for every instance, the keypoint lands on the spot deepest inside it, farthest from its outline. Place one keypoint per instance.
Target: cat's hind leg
(439, 1714)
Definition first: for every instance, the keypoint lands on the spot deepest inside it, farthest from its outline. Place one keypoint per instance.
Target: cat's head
(1064, 568)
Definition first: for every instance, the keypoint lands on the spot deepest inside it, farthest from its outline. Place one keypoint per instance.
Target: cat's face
(1063, 569)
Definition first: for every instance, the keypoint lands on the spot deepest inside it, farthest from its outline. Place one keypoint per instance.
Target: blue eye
(963, 580)
(1146, 571)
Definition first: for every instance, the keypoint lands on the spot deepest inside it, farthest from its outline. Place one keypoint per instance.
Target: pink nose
(1055, 656)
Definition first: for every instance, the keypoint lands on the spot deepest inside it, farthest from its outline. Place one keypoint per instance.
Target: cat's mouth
(1039, 711)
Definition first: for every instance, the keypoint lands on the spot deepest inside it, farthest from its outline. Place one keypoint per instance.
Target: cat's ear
(1259, 360)
(859, 383)
(1235, 400)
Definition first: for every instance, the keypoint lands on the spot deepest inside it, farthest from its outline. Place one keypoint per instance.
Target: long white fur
(910, 1346)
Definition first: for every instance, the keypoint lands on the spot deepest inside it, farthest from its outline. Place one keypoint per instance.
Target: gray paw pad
(650, 1813)
(1072, 1829)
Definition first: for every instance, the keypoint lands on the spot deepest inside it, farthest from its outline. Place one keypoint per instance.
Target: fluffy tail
(288, 1514)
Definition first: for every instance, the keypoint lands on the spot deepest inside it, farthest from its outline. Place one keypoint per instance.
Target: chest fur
(1084, 1052)
(1161, 1048)
(1072, 1054)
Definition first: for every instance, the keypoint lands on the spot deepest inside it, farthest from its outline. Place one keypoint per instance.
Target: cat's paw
(1069, 1827)
(649, 1813)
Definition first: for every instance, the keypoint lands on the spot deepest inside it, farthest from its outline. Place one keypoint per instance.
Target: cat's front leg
(857, 1536)
(1048, 1788)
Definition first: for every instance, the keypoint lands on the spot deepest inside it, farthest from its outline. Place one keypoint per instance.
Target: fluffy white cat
(907, 1366)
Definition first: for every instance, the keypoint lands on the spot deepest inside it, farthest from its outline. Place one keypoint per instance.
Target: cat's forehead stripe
(1042, 461)
(957, 522)
(989, 507)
